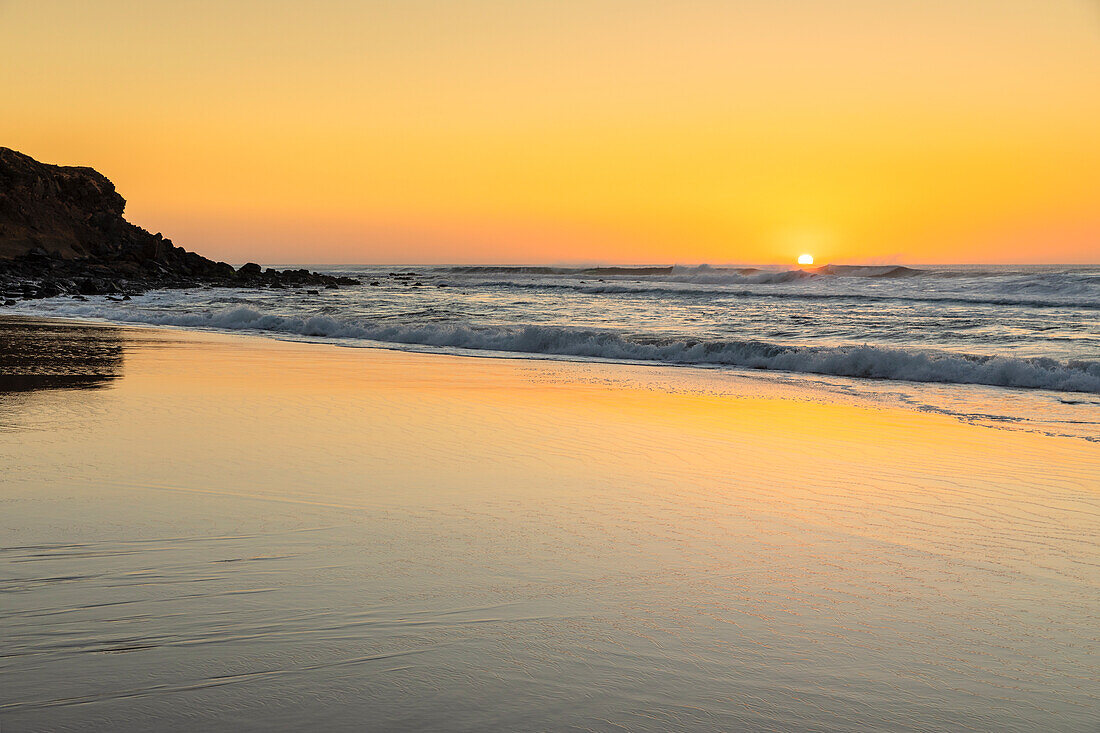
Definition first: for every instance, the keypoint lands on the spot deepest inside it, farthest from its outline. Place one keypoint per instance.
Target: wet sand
(210, 532)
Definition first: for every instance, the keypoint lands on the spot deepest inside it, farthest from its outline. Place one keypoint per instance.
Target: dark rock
(313, 292)
(48, 289)
(90, 287)
(223, 269)
(73, 211)
(250, 269)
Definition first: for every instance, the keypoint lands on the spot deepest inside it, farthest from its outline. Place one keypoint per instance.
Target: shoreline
(1077, 419)
(490, 353)
(767, 382)
(422, 538)
(349, 319)
(357, 535)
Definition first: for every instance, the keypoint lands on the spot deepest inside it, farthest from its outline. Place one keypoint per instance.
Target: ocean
(1011, 347)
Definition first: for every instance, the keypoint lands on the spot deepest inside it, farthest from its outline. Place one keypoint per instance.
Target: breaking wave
(867, 362)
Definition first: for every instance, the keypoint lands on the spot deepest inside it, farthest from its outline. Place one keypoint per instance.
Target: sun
(805, 259)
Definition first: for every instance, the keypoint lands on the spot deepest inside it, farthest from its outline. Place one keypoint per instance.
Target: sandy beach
(219, 532)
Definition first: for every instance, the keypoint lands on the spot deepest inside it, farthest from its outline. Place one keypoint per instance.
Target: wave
(867, 362)
(538, 270)
(886, 271)
(659, 288)
(1066, 282)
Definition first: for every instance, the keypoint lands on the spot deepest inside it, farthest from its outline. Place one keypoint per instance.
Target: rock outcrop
(62, 231)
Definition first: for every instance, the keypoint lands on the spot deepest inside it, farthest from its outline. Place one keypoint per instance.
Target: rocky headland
(62, 232)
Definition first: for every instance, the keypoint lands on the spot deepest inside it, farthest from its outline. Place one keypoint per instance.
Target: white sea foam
(861, 361)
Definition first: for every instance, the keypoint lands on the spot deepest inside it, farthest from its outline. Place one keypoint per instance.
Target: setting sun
(805, 259)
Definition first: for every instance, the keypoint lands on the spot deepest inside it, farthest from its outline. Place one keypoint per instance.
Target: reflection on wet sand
(36, 354)
(248, 534)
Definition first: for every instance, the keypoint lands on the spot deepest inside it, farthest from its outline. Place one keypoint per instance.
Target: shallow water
(225, 533)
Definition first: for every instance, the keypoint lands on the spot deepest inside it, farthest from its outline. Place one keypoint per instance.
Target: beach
(205, 531)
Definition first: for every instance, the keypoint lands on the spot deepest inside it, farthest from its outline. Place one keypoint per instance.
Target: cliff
(62, 231)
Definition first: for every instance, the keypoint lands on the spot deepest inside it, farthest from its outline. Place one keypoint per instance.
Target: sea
(1010, 347)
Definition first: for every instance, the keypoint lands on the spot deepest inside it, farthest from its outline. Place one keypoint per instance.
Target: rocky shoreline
(39, 275)
(62, 233)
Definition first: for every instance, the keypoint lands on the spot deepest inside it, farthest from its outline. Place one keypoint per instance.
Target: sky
(575, 131)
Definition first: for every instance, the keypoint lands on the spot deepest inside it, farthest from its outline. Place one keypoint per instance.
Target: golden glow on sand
(607, 131)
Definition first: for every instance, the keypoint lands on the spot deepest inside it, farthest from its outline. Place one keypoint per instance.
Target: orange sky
(532, 131)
